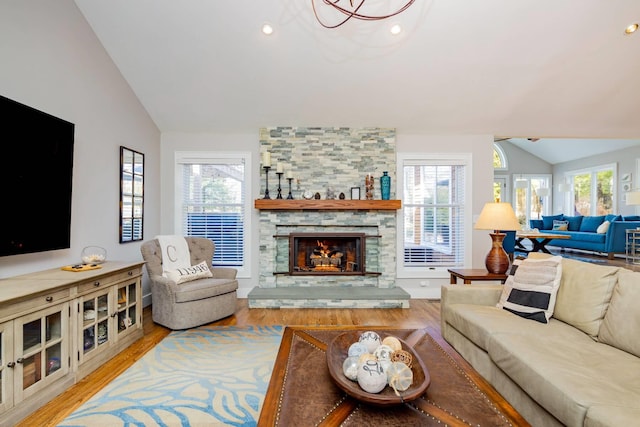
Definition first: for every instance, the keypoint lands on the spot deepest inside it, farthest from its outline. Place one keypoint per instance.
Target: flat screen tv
(35, 179)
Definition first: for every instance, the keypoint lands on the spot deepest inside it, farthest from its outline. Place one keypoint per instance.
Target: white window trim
(503, 158)
(181, 157)
(465, 159)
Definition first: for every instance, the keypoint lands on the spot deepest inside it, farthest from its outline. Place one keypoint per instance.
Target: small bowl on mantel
(338, 351)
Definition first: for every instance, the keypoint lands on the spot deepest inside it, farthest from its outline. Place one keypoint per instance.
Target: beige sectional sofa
(580, 369)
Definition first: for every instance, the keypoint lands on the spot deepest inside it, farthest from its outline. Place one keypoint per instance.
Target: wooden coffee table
(538, 240)
(301, 391)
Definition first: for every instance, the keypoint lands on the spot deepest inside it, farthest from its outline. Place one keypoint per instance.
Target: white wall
(480, 146)
(52, 61)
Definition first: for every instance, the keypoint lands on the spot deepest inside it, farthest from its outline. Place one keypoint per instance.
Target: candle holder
(279, 187)
(290, 196)
(266, 188)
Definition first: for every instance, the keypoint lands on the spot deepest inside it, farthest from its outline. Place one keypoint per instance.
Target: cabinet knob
(48, 299)
(130, 273)
(11, 364)
(96, 284)
(20, 360)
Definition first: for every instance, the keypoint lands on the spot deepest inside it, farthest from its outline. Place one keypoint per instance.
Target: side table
(474, 274)
(633, 246)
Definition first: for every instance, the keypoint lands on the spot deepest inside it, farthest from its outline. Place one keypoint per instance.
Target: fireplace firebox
(327, 253)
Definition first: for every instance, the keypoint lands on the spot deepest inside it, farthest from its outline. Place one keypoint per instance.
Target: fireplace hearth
(327, 254)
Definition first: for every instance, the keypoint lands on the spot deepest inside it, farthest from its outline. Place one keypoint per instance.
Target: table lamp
(633, 198)
(497, 217)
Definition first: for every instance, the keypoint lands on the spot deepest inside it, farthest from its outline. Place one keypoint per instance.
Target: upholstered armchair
(193, 303)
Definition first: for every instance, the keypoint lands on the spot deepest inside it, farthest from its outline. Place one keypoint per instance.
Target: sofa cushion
(182, 275)
(547, 221)
(204, 288)
(531, 291)
(590, 223)
(612, 217)
(632, 218)
(584, 294)
(622, 322)
(611, 415)
(560, 225)
(574, 222)
(568, 375)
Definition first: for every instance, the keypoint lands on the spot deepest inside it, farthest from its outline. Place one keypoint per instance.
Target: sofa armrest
(616, 235)
(470, 294)
(224, 273)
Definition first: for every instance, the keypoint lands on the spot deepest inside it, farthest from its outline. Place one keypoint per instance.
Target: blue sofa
(584, 231)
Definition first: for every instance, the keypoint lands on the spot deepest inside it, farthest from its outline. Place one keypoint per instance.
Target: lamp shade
(633, 198)
(522, 183)
(543, 192)
(497, 216)
(564, 187)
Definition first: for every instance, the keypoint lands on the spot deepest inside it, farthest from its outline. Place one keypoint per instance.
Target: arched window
(499, 159)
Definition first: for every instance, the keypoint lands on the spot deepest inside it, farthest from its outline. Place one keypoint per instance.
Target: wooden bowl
(338, 351)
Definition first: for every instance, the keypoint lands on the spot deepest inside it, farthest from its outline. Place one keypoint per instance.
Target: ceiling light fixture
(267, 29)
(631, 29)
(353, 10)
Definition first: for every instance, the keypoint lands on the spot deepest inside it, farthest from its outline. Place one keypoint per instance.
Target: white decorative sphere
(357, 349)
(371, 340)
(350, 367)
(371, 377)
(383, 352)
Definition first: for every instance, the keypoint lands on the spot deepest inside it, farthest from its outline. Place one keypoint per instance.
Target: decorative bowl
(93, 255)
(337, 352)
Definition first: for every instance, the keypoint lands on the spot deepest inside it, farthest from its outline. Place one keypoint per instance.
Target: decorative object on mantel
(316, 196)
(385, 185)
(331, 194)
(266, 165)
(342, 12)
(368, 187)
(355, 193)
(290, 178)
(279, 172)
(497, 216)
(307, 194)
(341, 196)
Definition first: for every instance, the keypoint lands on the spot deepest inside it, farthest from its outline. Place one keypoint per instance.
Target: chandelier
(352, 11)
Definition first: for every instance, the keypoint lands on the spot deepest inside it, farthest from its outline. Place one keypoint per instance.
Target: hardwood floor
(422, 313)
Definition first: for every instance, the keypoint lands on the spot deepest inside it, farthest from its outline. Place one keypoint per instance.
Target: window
(212, 198)
(434, 217)
(499, 158)
(532, 197)
(592, 191)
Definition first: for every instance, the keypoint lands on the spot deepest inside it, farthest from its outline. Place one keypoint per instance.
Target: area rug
(207, 376)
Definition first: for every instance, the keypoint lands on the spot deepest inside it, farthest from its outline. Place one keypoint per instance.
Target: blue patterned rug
(207, 376)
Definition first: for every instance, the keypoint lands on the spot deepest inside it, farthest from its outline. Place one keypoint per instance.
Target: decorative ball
(371, 340)
(400, 376)
(357, 348)
(350, 367)
(402, 356)
(383, 352)
(371, 377)
(365, 357)
(392, 342)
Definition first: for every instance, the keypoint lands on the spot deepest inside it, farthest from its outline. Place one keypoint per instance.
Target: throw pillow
(622, 321)
(574, 222)
(547, 221)
(590, 223)
(531, 291)
(602, 228)
(584, 294)
(560, 225)
(612, 217)
(182, 275)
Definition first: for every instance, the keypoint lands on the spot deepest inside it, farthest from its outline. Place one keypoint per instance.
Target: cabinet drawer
(103, 282)
(34, 303)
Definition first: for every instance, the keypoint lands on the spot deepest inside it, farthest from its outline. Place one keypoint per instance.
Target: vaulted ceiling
(498, 67)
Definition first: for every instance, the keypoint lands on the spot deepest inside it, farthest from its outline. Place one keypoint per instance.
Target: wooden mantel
(345, 205)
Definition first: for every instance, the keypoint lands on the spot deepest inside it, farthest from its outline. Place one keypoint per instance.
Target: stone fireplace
(334, 254)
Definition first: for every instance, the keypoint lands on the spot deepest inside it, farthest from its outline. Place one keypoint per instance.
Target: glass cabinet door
(96, 327)
(7, 365)
(42, 349)
(128, 306)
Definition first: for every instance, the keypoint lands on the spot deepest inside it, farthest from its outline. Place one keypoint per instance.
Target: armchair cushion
(181, 275)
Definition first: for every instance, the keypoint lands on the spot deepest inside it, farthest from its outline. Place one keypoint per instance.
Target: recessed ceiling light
(631, 29)
(396, 29)
(267, 29)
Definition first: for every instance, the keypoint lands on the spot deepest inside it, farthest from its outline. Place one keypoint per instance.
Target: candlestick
(266, 159)
(290, 178)
(266, 188)
(279, 187)
(289, 175)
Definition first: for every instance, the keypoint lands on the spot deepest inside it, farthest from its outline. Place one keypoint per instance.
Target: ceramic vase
(385, 186)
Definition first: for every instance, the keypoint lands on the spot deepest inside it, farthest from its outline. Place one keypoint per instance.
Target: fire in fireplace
(327, 253)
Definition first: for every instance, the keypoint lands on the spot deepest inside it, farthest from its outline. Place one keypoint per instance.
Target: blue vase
(385, 186)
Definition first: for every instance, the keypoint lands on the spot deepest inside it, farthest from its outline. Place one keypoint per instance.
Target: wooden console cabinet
(58, 326)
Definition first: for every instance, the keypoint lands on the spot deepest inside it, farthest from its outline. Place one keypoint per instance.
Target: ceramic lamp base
(497, 260)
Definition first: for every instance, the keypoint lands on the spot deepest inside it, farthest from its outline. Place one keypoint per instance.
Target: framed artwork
(626, 177)
(355, 193)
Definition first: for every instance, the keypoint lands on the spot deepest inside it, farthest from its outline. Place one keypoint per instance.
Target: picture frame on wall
(355, 193)
(626, 177)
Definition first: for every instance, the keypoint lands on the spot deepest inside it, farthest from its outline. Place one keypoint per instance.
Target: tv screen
(35, 179)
